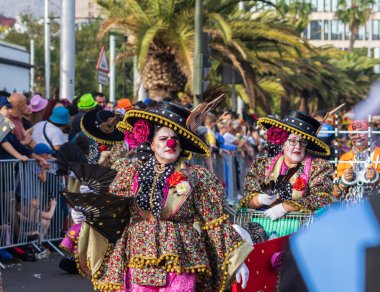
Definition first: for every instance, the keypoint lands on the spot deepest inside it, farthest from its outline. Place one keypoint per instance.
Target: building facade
(14, 68)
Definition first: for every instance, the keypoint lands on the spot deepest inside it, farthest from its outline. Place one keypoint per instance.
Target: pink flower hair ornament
(276, 135)
(139, 134)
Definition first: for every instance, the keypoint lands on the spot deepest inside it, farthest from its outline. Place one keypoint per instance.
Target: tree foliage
(86, 56)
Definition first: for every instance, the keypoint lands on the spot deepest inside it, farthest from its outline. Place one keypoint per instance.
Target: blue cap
(5, 102)
(147, 100)
(42, 148)
(60, 116)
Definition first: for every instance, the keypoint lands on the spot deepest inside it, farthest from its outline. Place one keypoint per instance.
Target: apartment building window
(347, 33)
(360, 33)
(334, 5)
(326, 30)
(336, 30)
(376, 29)
(376, 6)
(327, 5)
(317, 5)
(315, 29)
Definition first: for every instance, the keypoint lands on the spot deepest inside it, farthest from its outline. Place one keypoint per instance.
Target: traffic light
(206, 62)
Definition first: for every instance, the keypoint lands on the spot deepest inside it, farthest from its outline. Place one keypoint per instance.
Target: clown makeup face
(294, 149)
(166, 145)
(360, 141)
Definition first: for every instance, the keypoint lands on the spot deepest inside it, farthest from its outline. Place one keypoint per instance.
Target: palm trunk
(285, 105)
(354, 31)
(304, 107)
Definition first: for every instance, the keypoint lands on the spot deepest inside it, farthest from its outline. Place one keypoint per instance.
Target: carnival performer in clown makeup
(292, 180)
(358, 171)
(160, 248)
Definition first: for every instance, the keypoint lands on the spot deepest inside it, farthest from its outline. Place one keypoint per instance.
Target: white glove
(242, 275)
(77, 216)
(243, 233)
(72, 175)
(275, 212)
(85, 189)
(265, 199)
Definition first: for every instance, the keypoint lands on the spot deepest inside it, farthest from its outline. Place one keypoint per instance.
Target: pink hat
(38, 103)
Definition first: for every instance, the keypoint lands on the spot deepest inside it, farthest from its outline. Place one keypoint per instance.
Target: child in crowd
(44, 151)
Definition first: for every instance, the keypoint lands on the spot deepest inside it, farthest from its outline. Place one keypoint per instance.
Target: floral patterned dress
(311, 184)
(173, 244)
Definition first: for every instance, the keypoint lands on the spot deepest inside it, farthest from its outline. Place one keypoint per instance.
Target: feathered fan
(68, 152)
(97, 177)
(107, 213)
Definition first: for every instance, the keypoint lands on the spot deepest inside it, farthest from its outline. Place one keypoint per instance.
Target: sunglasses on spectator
(293, 142)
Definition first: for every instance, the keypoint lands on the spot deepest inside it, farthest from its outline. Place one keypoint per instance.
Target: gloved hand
(275, 212)
(243, 233)
(72, 175)
(85, 189)
(77, 216)
(242, 275)
(265, 199)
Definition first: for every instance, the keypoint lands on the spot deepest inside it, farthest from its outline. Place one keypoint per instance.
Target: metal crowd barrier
(26, 208)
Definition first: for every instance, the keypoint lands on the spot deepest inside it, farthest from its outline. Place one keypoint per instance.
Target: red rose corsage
(300, 184)
(176, 178)
(102, 148)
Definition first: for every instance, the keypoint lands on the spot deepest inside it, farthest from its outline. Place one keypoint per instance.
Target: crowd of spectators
(40, 127)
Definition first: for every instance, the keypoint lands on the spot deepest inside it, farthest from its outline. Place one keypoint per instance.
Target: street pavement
(42, 276)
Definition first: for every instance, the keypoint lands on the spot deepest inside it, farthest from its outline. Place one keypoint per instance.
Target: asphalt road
(42, 276)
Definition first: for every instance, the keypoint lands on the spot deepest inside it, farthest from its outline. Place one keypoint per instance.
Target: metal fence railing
(31, 211)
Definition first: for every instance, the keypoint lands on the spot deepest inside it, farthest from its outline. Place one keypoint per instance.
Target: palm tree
(355, 15)
(161, 36)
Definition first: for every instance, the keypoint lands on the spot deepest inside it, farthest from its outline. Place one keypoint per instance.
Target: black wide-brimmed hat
(100, 125)
(299, 123)
(176, 117)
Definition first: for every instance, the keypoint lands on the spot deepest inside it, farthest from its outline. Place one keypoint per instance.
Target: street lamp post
(47, 50)
(198, 58)
(67, 64)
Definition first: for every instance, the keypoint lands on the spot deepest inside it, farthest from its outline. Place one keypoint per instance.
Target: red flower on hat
(141, 130)
(130, 138)
(300, 184)
(276, 135)
(176, 178)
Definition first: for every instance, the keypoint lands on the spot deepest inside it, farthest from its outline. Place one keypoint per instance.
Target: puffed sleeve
(226, 249)
(122, 185)
(254, 180)
(320, 187)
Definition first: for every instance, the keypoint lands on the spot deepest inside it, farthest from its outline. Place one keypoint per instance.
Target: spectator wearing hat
(51, 132)
(86, 103)
(123, 105)
(44, 151)
(10, 146)
(37, 106)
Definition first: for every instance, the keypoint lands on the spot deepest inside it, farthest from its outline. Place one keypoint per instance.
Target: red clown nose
(171, 143)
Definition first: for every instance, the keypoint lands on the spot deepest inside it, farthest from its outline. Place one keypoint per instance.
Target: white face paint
(360, 141)
(163, 153)
(294, 154)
